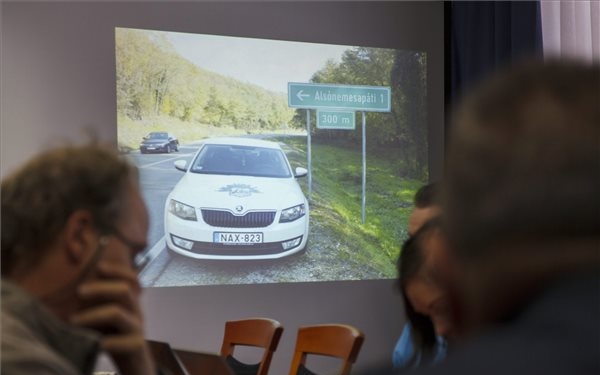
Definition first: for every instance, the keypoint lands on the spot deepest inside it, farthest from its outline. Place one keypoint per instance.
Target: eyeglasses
(137, 249)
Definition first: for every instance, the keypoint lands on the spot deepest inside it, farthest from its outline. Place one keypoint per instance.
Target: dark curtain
(483, 36)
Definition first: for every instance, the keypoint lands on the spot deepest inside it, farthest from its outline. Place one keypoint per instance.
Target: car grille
(226, 219)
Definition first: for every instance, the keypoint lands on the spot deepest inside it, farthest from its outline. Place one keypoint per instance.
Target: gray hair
(37, 199)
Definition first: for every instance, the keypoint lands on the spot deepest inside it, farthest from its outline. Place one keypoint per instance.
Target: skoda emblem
(239, 209)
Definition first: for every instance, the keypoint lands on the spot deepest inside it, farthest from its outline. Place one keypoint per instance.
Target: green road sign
(356, 98)
(335, 119)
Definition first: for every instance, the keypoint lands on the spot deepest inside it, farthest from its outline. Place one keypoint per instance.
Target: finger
(94, 293)
(108, 319)
(109, 270)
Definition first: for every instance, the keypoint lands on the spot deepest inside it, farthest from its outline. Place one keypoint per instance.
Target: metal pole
(364, 165)
(308, 154)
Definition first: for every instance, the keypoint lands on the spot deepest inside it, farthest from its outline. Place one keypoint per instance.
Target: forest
(154, 80)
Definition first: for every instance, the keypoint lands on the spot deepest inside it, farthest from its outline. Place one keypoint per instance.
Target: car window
(157, 136)
(241, 160)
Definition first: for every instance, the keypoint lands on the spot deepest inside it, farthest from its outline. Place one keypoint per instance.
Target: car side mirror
(301, 172)
(180, 165)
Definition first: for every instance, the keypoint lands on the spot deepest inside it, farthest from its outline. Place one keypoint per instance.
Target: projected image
(269, 161)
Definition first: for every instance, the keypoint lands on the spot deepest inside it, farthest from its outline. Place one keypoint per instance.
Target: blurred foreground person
(73, 220)
(521, 206)
(521, 212)
(522, 217)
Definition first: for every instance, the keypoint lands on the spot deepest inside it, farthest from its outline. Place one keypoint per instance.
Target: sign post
(364, 165)
(309, 154)
(335, 105)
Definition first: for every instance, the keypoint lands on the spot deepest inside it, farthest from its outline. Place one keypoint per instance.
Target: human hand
(110, 305)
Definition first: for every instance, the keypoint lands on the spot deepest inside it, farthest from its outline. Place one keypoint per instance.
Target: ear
(79, 235)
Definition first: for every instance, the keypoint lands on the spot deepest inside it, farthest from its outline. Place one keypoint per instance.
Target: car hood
(229, 192)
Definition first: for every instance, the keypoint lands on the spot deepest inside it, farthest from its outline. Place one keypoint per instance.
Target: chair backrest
(257, 332)
(333, 340)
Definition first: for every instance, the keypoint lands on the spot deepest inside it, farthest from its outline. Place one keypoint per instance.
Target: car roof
(241, 141)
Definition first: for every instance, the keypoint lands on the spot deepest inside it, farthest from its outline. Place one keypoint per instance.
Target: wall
(57, 84)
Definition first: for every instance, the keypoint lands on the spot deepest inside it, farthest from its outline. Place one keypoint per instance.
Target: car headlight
(182, 210)
(292, 213)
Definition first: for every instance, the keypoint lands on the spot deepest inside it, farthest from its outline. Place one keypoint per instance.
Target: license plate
(230, 238)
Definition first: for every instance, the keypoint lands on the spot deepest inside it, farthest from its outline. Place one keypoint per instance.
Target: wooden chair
(333, 340)
(254, 332)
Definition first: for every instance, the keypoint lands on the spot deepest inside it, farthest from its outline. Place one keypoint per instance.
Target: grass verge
(337, 201)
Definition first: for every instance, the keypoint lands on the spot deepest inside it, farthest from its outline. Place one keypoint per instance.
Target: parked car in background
(238, 199)
(159, 142)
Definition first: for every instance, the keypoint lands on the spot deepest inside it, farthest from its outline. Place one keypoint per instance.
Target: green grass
(337, 201)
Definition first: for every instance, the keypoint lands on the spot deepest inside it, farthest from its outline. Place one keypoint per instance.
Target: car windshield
(157, 136)
(241, 160)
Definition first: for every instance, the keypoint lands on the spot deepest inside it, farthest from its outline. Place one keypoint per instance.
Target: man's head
(426, 207)
(66, 210)
(521, 189)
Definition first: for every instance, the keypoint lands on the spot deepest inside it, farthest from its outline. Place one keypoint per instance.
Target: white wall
(57, 80)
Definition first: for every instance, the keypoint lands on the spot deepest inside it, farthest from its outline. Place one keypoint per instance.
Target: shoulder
(403, 356)
(556, 333)
(33, 341)
(24, 353)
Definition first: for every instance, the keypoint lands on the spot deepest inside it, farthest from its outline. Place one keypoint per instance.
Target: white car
(238, 199)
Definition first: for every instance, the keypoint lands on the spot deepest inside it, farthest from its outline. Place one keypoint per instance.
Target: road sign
(335, 119)
(356, 98)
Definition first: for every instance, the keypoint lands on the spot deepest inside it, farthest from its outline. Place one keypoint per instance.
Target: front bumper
(279, 240)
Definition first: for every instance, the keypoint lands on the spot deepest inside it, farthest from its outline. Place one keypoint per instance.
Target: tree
(408, 77)
(144, 72)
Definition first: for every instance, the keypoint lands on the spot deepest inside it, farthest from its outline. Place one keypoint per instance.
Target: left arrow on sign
(300, 95)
